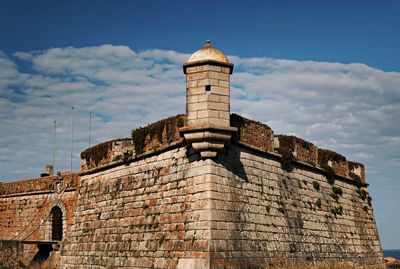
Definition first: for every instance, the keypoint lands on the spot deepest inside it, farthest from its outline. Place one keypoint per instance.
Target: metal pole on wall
(90, 126)
(54, 144)
(72, 135)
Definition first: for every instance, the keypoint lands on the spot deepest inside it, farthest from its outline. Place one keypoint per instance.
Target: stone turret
(207, 87)
(208, 128)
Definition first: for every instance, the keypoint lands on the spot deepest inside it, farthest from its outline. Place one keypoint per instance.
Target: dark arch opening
(56, 224)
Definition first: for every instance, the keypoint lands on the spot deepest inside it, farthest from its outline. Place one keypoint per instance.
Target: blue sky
(327, 71)
(344, 31)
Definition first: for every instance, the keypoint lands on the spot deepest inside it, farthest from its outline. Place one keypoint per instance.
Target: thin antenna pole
(54, 144)
(72, 135)
(90, 126)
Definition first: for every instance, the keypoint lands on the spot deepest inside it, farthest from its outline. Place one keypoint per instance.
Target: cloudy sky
(325, 71)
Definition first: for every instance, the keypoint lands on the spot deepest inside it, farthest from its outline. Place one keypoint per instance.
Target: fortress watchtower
(208, 128)
(207, 87)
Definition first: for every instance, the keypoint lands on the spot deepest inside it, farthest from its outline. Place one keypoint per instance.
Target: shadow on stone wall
(233, 163)
(40, 258)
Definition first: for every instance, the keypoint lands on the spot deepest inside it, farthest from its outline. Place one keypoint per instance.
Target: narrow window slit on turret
(208, 89)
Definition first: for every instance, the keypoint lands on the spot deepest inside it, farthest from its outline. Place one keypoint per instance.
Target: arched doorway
(56, 224)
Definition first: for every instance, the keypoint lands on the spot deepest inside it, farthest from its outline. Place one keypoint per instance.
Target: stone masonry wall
(147, 214)
(166, 208)
(241, 210)
(260, 213)
(41, 184)
(25, 216)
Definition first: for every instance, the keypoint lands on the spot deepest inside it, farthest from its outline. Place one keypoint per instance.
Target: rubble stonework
(202, 190)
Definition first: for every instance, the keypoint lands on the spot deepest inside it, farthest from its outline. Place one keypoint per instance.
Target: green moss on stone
(288, 159)
(337, 190)
(316, 185)
(318, 203)
(337, 210)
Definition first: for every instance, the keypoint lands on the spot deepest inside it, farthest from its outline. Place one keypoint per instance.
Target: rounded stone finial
(208, 53)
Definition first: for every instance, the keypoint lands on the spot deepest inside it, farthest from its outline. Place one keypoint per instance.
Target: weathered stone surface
(334, 160)
(303, 151)
(280, 212)
(25, 212)
(148, 205)
(173, 210)
(252, 132)
(356, 171)
(43, 184)
(206, 83)
(105, 152)
(155, 136)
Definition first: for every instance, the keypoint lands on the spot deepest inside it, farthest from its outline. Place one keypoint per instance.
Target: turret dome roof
(208, 53)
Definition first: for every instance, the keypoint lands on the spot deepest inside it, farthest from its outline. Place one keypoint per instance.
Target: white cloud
(351, 108)
(318, 100)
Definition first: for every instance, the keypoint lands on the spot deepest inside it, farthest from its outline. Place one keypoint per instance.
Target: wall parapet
(105, 152)
(252, 132)
(331, 162)
(151, 138)
(161, 134)
(158, 134)
(42, 184)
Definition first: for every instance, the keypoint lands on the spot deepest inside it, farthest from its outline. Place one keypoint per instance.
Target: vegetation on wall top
(97, 152)
(287, 148)
(160, 133)
(352, 166)
(290, 141)
(326, 155)
(252, 132)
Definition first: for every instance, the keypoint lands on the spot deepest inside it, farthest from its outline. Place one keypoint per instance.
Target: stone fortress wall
(25, 208)
(243, 208)
(199, 192)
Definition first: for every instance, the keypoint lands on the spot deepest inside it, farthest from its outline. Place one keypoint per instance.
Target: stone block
(224, 115)
(224, 83)
(192, 99)
(218, 75)
(225, 70)
(209, 97)
(197, 76)
(194, 69)
(197, 122)
(220, 90)
(195, 90)
(214, 68)
(224, 98)
(207, 114)
(218, 106)
(191, 83)
(202, 68)
(207, 81)
(197, 106)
